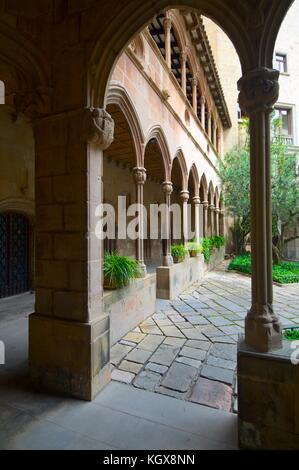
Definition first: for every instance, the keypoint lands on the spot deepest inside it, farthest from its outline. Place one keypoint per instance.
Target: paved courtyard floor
(188, 349)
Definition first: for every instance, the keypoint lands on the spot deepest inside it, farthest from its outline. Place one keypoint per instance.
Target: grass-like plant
(119, 270)
(284, 273)
(291, 334)
(194, 248)
(178, 253)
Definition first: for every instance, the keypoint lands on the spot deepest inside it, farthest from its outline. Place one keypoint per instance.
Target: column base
(167, 260)
(261, 335)
(69, 357)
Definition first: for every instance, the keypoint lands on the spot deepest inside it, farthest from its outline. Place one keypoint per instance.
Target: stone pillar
(211, 213)
(259, 90)
(221, 222)
(194, 94)
(167, 32)
(210, 125)
(69, 349)
(184, 195)
(183, 71)
(203, 111)
(139, 175)
(217, 214)
(167, 187)
(196, 202)
(205, 218)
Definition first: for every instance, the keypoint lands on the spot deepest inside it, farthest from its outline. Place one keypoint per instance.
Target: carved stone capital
(212, 207)
(98, 127)
(167, 187)
(33, 103)
(139, 175)
(194, 82)
(205, 205)
(196, 200)
(184, 195)
(167, 23)
(259, 90)
(217, 210)
(183, 57)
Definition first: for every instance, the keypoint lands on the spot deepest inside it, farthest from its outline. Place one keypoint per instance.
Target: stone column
(167, 187)
(167, 32)
(69, 349)
(221, 222)
(139, 175)
(194, 94)
(184, 195)
(203, 111)
(205, 218)
(259, 90)
(215, 136)
(183, 71)
(211, 213)
(196, 202)
(217, 215)
(210, 125)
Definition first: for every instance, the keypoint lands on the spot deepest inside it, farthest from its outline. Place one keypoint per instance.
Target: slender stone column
(217, 214)
(221, 222)
(196, 202)
(210, 125)
(167, 31)
(139, 175)
(203, 111)
(215, 136)
(183, 71)
(167, 187)
(211, 211)
(259, 90)
(184, 195)
(194, 94)
(205, 218)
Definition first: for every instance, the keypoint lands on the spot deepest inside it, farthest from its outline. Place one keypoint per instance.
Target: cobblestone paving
(188, 348)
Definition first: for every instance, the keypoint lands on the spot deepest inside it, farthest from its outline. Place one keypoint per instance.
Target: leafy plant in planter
(291, 334)
(178, 253)
(119, 270)
(194, 248)
(218, 241)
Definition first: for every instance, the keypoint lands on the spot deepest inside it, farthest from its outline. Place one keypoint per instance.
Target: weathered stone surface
(197, 354)
(197, 344)
(130, 367)
(217, 373)
(171, 393)
(118, 352)
(211, 393)
(178, 342)
(134, 337)
(197, 320)
(189, 361)
(225, 351)
(165, 355)
(151, 329)
(219, 321)
(172, 331)
(147, 380)
(209, 331)
(179, 377)
(122, 376)
(156, 368)
(194, 333)
(219, 362)
(151, 342)
(138, 355)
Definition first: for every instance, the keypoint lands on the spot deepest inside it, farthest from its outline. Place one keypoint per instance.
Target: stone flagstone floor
(188, 348)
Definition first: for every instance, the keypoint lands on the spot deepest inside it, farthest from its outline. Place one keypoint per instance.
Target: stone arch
(216, 197)
(119, 96)
(204, 187)
(157, 133)
(22, 206)
(211, 193)
(182, 162)
(194, 174)
(177, 29)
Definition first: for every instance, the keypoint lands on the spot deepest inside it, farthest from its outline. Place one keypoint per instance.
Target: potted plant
(119, 270)
(194, 249)
(178, 253)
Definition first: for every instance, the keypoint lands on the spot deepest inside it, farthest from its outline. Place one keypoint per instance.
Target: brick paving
(188, 348)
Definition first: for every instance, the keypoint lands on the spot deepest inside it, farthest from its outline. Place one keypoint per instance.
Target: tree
(234, 172)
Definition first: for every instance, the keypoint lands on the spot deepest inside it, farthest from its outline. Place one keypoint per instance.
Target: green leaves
(291, 334)
(209, 243)
(178, 251)
(119, 270)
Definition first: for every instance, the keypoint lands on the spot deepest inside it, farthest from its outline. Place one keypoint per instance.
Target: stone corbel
(33, 103)
(139, 175)
(259, 90)
(98, 127)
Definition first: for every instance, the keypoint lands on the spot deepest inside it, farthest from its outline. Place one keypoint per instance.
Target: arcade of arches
(128, 94)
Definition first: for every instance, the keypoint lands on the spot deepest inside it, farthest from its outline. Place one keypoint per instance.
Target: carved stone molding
(205, 204)
(33, 103)
(167, 23)
(139, 175)
(259, 90)
(184, 195)
(196, 200)
(212, 207)
(98, 127)
(167, 187)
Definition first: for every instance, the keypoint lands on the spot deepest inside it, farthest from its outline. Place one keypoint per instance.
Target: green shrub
(119, 270)
(195, 247)
(178, 252)
(291, 334)
(218, 241)
(283, 273)
(207, 248)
